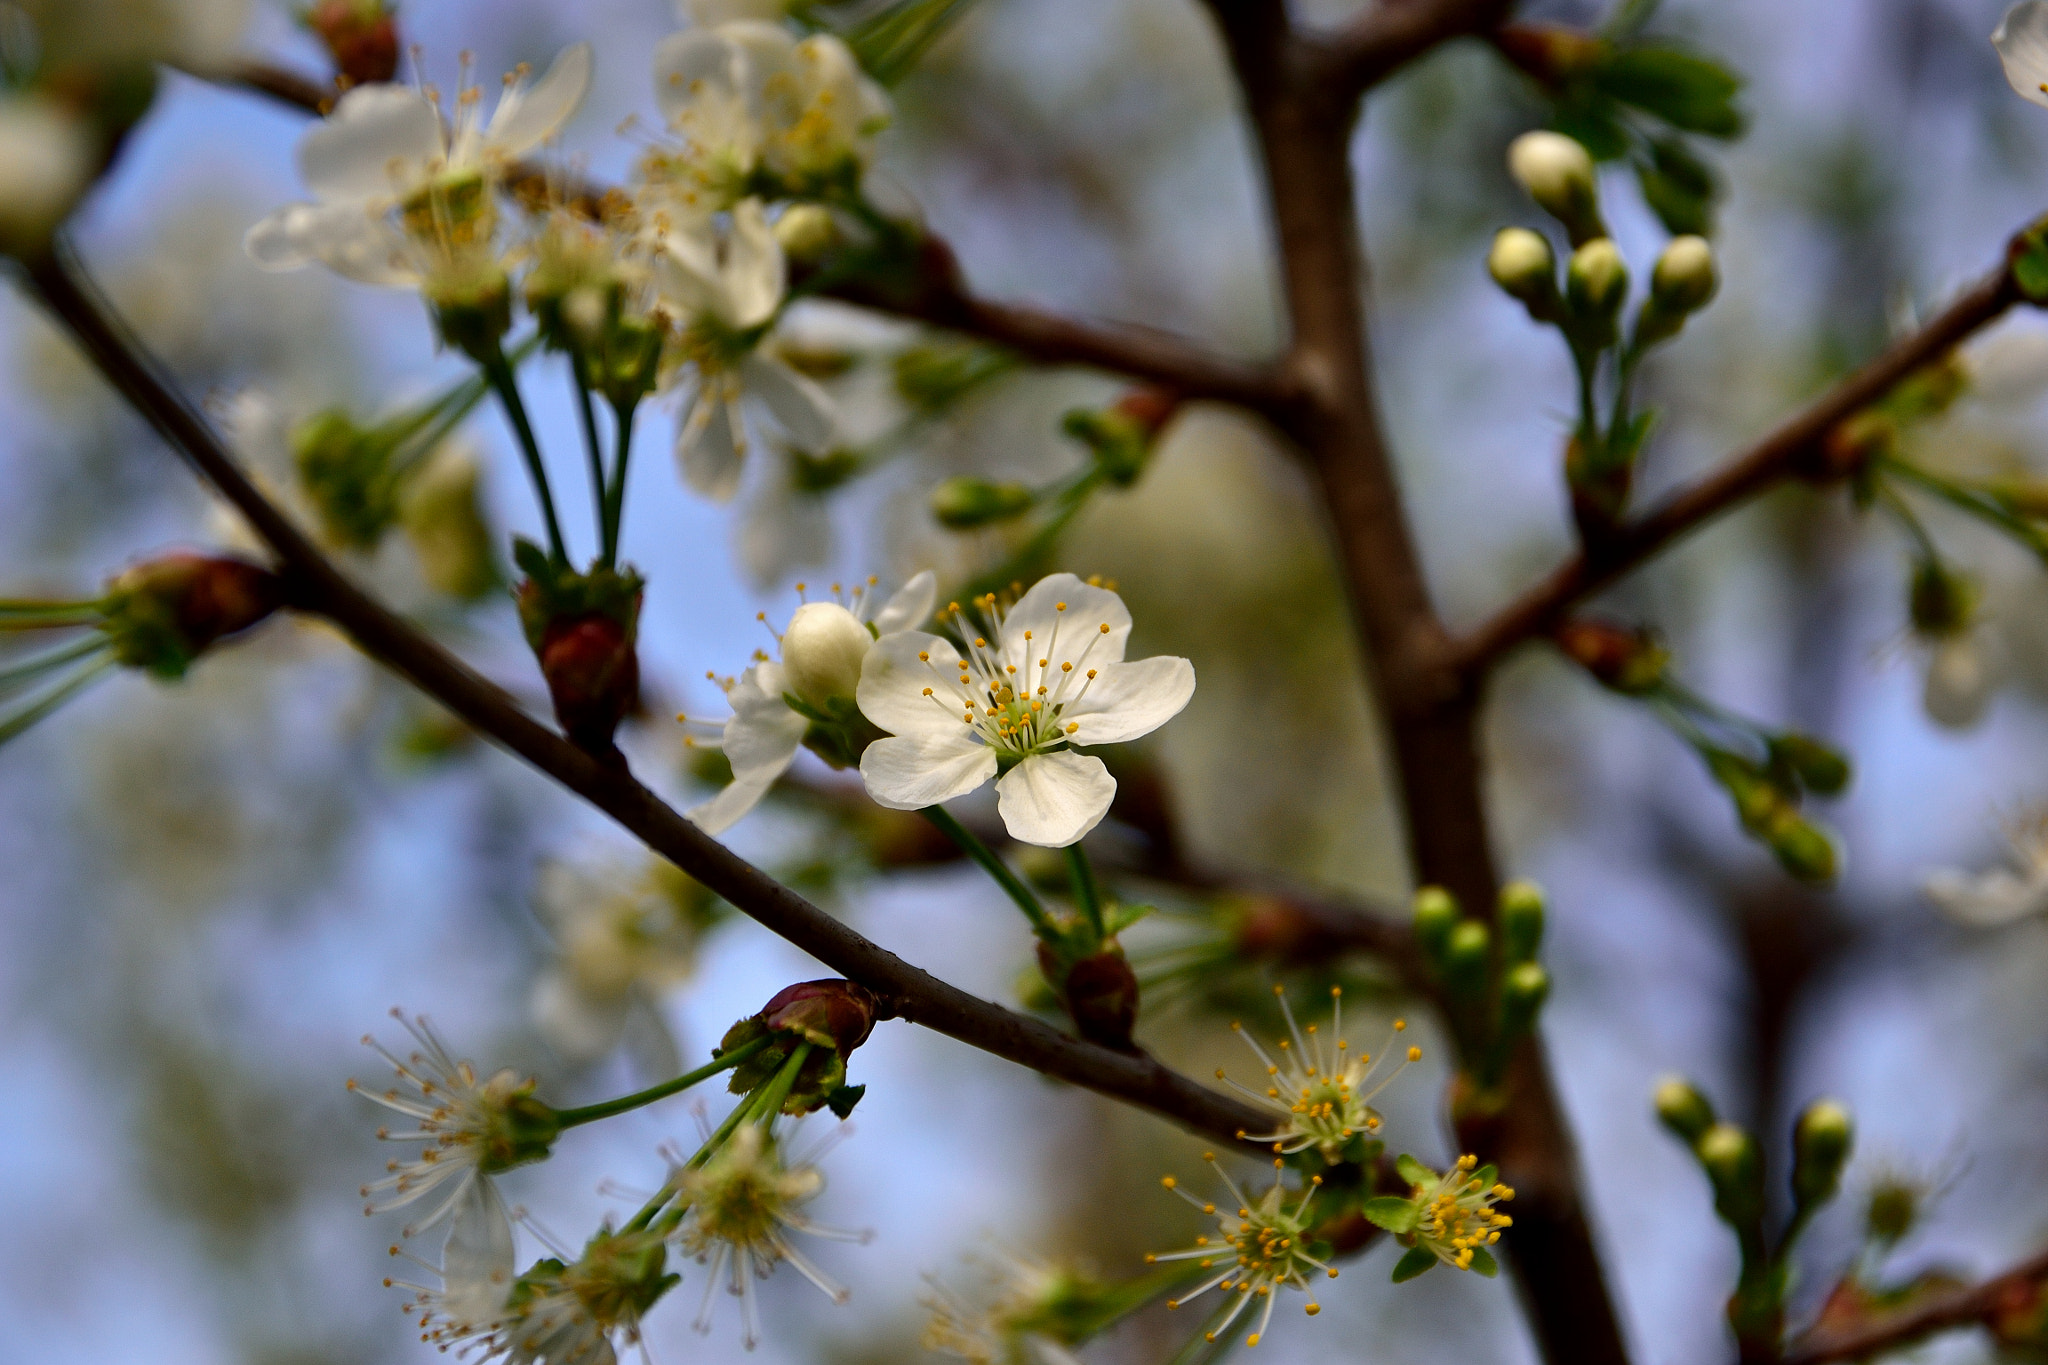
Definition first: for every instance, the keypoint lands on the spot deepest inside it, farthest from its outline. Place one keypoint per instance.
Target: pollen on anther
(1414, 1054)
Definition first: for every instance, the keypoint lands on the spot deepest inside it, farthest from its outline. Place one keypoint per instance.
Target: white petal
(782, 530)
(1067, 633)
(1986, 902)
(476, 1261)
(761, 740)
(754, 276)
(527, 116)
(799, 406)
(911, 607)
(686, 270)
(276, 243)
(893, 680)
(1127, 700)
(378, 141)
(2022, 42)
(706, 448)
(1053, 799)
(690, 64)
(1961, 676)
(903, 773)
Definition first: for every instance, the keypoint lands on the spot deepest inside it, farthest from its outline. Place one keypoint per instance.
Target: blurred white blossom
(1985, 900)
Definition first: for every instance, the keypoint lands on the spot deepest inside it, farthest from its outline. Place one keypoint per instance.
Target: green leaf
(1416, 1262)
(531, 559)
(1394, 1214)
(1120, 916)
(1483, 1262)
(1686, 91)
(1679, 188)
(1413, 1171)
(1486, 1175)
(1594, 122)
(842, 1099)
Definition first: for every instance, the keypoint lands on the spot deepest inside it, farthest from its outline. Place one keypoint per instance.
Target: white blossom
(765, 731)
(624, 938)
(46, 163)
(2022, 42)
(1045, 677)
(400, 190)
(476, 1271)
(103, 33)
(2003, 895)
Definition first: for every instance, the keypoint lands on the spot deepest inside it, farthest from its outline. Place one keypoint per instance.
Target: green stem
(615, 499)
(414, 435)
(586, 415)
(43, 663)
(35, 711)
(499, 372)
(590, 1113)
(1915, 529)
(1041, 923)
(763, 1104)
(1969, 500)
(1082, 875)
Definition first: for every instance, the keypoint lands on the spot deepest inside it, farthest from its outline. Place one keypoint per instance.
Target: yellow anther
(1414, 1054)
(1169, 1182)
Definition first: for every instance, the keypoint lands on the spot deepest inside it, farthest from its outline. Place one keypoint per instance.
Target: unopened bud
(832, 1017)
(1628, 661)
(1436, 915)
(1522, 992)
(1819, 768)
(1466, 958)
(1820, 1148)
(830, 1013)
(1100, 992)
(361, 36)
(806, 232)
(1521, 263)
(965, 502)
(1685, 278)
(1802, 848)
(822, 649)
(1558, 174)
(1942, 603)
(1683, 1109)
(583, 629)
(1596, 283)
(1521, 920)
(165, 613)
(1730, 1158)
(1119, 437)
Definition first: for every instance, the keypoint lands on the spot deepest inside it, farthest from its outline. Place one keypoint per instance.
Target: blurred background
(214, 889)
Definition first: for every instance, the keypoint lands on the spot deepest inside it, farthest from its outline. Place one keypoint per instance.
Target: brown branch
(1395, 32)
(939, 297)
(1789, 451)
(317, 586)
(2016, 1290)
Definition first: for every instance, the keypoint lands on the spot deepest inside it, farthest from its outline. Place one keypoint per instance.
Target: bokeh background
(212, 890)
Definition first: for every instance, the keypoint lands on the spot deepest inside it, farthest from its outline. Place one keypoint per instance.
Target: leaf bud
(1683, 1109)
(1121, 435)
(806, 232)
(1436, 915)
(1099, 990)
(1820, 1148)
(822, 649)
(1685, 278)
(1730, 1158)
(1557, 172)
(833, 1016)
(361, 36)
(1521, 920)
(1521, 263)
(1627, 661)
(163, 614)
(965, 502)
(1466, 958)
(1596, 283)
(1522, 992)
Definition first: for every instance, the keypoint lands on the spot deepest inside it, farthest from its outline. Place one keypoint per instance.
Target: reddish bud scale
(1617, 657)
(1100, 992)
(361, 36)
(168, 611)
(832, 1013)
(1549, 53)
(593, 675)
(1151, 409)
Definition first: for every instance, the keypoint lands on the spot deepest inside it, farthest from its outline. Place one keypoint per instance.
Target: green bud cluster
(1489, 973)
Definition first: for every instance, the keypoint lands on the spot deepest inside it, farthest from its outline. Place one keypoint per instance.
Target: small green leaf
(1392, 1213)
(1679, 188)
(1417, 1261)
(1121, 916)
(1688, 92)
(1595, 123)
(1486, 1175)
(1413, 1171)
(1483, 1262)
(842, 1100)
(531, 559)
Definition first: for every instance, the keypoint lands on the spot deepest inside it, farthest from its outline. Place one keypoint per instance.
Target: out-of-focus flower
(822, 653)
(2003, 895)
(724, 287)
(624, 938)
(743, 1205)
(1319, 1091)
(468, 1130)
(475, 1270)
(1963, 664)
(46, 163)
(1265, 1246)
(73, 34)
(1027, 1310)
(1047, 675)
(2022, 42)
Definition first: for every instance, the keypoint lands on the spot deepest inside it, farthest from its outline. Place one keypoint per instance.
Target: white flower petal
(476, 1261)
(1067, 633)
(799, 406)
(1962, 674)
(911, 606)
(893, 680)
(905, 773)
(2022, 42)
(345, 237)
(378, 141)
(692, 64)
(686, 270)
(1988, 901)
(754, 276)
(783, 529)
(529, 115)
(1127, 700)
(707, 448)
(761, 740)
(1053, 799)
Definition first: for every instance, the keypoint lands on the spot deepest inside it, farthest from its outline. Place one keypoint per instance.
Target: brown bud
(164, 613)
(1100, 992)
(593, 676)
(1547, 52)
(1629, 661)
(831, 1013)
(1150, 408)
(362, 37)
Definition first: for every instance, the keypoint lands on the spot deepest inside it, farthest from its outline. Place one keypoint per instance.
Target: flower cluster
(1268, 1244)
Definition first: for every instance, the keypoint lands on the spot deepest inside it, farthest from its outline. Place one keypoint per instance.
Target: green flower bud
(1820, 1148)
(1685, 278)
(1436, 914)
(1522, 993)
(1596, 283)
(1521, 920)
(965, 502)
(1942, 602)
(1683, 1109)
(1819, 768)
(1466, 958)
(1558, 174)
(1802, 848)
(1732, 1164)
(1521, 263)
(806, 232)
(1893, 1209)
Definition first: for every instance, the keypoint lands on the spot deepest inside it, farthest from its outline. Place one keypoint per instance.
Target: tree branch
(1791, 450)
(940, 297)
(1395, 32)
(316, 585)
(2016, 1290)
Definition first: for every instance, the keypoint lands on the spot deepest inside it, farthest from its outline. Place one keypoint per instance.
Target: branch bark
(1395, 32)
(938, 296)
(1303, 123)
(2015, 1290)
(1789, 451)
(316, 585)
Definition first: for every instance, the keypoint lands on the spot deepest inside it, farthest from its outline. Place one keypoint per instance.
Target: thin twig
(1395, 32)
(1785, 453)
(316, 585)
(1970, 1307)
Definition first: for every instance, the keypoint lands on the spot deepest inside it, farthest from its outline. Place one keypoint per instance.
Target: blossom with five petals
(1039, 680)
